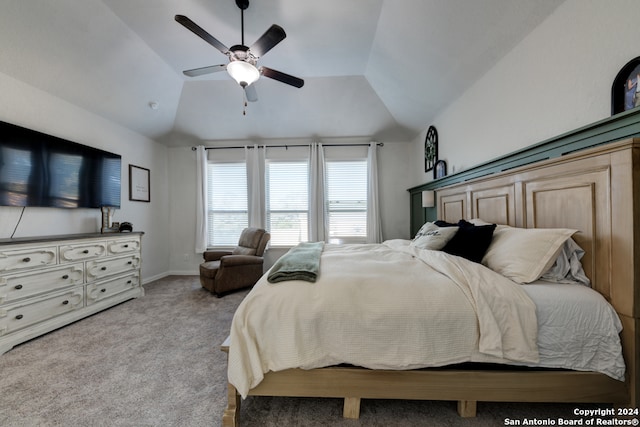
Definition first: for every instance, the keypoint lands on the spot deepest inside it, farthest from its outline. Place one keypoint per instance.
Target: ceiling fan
(242, 59)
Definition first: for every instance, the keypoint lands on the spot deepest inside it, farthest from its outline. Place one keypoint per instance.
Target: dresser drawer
(21, 315)
(81, 251)
(97, 269)
(21, 259)
(108, 288)
(16, 286)
(123, 246)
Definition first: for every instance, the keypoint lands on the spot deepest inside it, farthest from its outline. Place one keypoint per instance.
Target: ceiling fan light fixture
(243, 72)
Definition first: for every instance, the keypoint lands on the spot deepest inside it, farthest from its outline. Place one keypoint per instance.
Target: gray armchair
(226, 271)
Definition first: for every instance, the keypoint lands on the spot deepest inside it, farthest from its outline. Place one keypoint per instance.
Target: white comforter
(384, 306)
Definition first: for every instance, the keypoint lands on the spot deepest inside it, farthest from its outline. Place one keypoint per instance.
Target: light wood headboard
(594, 191)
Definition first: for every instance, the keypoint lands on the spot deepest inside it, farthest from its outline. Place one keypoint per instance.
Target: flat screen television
(41, 170)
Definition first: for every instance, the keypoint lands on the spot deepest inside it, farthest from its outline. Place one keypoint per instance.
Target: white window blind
(347, 200)
(228, 207)
(287, 201)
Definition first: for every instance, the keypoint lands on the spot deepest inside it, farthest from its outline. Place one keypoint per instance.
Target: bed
(591, 193)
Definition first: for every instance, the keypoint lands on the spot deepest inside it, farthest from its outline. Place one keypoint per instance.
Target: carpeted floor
(155, 361)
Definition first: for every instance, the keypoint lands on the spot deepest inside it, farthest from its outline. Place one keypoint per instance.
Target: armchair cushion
(252, 242)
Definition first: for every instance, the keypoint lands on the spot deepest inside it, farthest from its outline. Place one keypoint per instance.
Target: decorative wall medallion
(430, 149)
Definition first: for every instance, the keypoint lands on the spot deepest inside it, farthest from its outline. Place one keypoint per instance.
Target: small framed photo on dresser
(440, 169)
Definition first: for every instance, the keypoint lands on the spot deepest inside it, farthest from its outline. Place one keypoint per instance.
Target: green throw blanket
(300, 263)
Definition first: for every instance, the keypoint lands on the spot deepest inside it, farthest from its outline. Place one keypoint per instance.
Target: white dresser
(48, 282)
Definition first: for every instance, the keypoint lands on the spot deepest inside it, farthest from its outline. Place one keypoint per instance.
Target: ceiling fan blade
(250, 92)
(281, 77)
(274, 35)
(198, 31)
(204, 70)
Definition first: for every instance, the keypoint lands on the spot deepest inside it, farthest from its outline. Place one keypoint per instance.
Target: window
(284, 185)
(228, 206)
(347, 200)
(287, 201)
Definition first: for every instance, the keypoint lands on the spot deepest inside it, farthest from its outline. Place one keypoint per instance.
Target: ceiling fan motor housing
(242, 53)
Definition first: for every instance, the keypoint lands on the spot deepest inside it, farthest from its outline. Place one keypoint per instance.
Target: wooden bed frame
(593, 191)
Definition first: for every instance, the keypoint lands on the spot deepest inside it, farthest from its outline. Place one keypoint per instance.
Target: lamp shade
(243, 72)
(428, 199)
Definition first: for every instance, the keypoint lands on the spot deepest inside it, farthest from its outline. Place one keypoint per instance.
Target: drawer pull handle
(128, 282)
(65, 302)
(103, 290)
(103, 268)
(18, 287)
(27, 259)
(130, 262)
(19, 316)
(86, 251)
(65, 277)
(126, 246)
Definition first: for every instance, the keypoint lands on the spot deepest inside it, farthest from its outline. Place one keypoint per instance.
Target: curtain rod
(379, 144)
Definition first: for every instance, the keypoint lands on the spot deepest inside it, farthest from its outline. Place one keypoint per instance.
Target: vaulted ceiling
(375, 68)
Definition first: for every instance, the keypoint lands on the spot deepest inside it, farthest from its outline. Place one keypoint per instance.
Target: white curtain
(318, 226)
(255, 184)
(201, 200)
(374, 229)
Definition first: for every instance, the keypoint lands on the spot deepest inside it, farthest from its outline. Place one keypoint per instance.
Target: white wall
(393, 178)
(557, 79)
(393, 181)
(32, 108)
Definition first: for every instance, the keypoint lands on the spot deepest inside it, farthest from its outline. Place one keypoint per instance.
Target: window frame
(340, 239)
(268, 211)
(211, 212)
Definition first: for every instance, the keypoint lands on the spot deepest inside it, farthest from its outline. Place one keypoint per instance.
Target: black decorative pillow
(471, 241)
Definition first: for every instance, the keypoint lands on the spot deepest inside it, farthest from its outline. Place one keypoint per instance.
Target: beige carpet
(155, 361)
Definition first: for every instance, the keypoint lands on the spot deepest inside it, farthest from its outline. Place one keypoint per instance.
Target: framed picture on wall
(139, 184)
(625, 91)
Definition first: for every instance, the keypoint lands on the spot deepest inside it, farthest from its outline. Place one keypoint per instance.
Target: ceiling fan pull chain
(244, 100)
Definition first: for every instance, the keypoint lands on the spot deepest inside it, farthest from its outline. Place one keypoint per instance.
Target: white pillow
(430, 236)
(524, 254)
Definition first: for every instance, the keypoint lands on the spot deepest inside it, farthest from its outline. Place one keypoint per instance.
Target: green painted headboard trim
(614, 128)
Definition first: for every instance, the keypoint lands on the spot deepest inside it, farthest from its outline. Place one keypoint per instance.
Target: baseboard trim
(146, 280)
(150, 279)
(183, 273)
